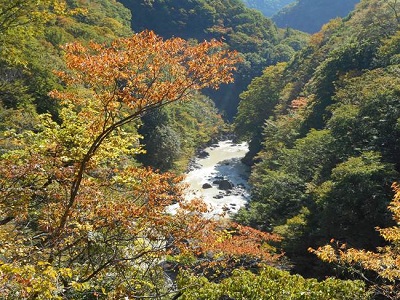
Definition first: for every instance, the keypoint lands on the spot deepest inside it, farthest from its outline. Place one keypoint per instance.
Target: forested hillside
(256, 37)
(328, 125)
(267, 7)
(30, 40)
(310, 15)
(80, 218)
(31, 52)
(97, 111)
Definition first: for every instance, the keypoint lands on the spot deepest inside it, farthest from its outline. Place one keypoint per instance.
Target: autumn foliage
(78, 217)
(385, 262)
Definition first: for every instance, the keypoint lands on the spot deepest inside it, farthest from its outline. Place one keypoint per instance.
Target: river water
(222, 163)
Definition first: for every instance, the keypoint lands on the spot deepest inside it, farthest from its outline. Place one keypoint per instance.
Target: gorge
(220, 178)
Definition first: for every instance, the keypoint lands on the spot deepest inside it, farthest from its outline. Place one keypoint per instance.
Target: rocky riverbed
(219, 177)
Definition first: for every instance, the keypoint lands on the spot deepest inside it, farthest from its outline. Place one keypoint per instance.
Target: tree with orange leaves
(78, 218)
(385, 262)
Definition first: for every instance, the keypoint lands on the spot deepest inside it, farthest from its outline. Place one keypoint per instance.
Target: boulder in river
(225, 185)
(206, 186)
(203, 154)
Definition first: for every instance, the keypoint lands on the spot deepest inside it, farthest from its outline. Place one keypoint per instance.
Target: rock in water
(203, 154)
(225, 185)
(206, 186)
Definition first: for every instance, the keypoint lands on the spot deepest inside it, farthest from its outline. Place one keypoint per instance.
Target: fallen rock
(225, 185)
(203, 154)
(206, 186)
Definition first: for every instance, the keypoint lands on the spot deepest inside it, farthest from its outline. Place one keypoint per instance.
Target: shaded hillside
(241, 28)
(267, 7)
(30, 50)
(81, 218)
(30, 55)
(310, 15)
(330, 135)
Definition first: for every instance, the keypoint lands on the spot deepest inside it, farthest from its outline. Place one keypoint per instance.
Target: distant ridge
(267, 7)
(310, 15)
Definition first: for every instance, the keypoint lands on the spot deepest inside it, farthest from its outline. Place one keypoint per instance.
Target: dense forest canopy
(92, 102)
(329, 135)
(242, 29)
(267, 7)
(79, 217)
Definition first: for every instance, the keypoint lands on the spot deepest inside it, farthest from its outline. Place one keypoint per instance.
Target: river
(222, 163)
